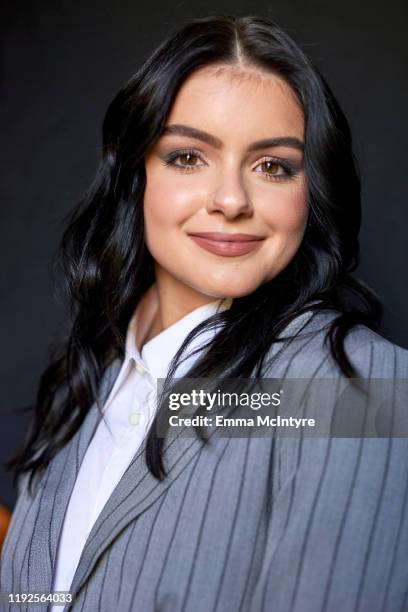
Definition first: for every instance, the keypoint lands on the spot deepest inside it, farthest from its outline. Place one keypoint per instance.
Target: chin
(224, 291)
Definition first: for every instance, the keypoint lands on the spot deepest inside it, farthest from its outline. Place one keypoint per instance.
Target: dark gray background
(63, 62)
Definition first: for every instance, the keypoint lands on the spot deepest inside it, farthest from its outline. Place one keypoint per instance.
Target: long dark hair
(108, 268)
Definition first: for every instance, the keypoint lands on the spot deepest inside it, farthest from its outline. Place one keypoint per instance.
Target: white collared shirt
(128, 412)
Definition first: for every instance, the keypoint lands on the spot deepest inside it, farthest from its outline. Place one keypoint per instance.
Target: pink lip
(228, 245)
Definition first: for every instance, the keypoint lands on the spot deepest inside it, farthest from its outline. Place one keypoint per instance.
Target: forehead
(223, 97)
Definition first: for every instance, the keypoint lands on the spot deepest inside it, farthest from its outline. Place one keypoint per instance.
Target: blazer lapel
(56, 487)
(135, 492)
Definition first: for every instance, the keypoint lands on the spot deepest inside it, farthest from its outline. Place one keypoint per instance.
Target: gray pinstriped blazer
(239, 525)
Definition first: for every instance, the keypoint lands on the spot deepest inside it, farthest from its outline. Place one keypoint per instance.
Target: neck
(166, 302)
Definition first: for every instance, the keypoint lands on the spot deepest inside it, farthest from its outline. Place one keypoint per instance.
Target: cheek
(167, 203)
(285, 211)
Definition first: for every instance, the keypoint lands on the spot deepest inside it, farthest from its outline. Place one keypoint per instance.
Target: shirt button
(140, 369)
(134, 418)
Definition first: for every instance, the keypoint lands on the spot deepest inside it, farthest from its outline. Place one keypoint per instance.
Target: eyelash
(290, 173)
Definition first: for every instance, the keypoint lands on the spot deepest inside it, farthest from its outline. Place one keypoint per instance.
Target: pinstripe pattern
(243, 524)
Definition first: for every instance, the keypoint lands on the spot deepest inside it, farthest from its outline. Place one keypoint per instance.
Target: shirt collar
(157, 353)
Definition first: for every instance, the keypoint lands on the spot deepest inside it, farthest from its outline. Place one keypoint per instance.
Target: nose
(230, 196)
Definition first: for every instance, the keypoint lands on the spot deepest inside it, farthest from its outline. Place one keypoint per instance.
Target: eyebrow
(186, 130)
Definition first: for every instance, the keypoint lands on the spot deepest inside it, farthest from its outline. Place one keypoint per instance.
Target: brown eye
(274, 169)
(184, 160)
(189, 159)
(271, 167)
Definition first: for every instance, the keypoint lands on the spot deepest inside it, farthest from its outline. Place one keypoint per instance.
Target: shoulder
(308, 354)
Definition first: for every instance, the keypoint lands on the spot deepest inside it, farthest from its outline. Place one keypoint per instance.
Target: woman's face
(229, 162)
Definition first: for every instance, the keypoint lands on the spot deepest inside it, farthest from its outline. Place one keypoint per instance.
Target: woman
(219, 236)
